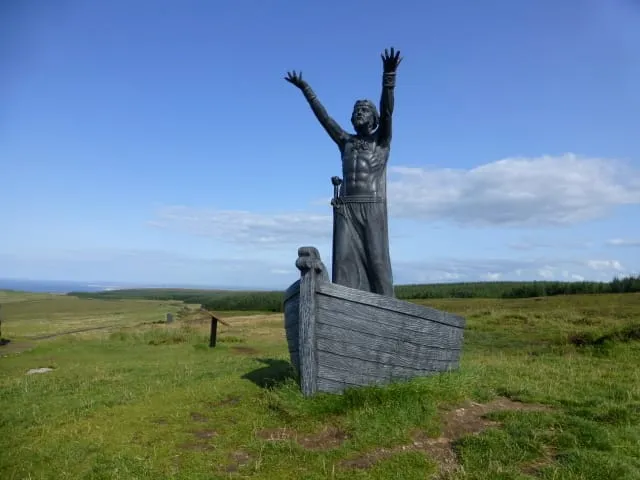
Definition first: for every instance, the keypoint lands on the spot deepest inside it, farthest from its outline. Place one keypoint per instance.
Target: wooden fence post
(214, 332)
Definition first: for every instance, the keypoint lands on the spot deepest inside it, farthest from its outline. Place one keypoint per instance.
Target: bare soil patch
(12, 348)
(534, 467)
(229, 401)
(467, 419)
(237, 459)
(198, 417)
(244, 350)
(329, 437)
(197, 446)
(203, 434)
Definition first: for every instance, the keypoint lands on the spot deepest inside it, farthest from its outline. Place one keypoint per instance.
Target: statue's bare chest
(362, 155)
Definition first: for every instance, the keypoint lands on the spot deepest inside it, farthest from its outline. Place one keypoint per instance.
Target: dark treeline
(271, 301)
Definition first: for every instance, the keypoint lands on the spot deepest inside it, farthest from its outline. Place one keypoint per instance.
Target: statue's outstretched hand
(390, 60)
(295, 79)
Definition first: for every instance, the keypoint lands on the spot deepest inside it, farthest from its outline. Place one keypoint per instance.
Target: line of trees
(271, 301)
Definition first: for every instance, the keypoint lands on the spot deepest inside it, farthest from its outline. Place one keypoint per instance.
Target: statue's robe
(361, 257)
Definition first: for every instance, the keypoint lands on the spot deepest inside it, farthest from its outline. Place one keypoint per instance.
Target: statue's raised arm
(334, 130)
(390, 61)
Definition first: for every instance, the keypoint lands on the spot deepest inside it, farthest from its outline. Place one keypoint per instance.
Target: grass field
(548, 388)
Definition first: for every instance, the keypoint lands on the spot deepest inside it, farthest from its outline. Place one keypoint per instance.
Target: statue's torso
(364, 167)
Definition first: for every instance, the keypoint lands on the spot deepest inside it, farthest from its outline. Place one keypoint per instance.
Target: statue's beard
(362, 125)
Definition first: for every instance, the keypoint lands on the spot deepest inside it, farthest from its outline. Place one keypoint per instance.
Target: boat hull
(340, 337)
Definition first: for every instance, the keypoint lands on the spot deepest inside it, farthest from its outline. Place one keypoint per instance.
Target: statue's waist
(361, 199)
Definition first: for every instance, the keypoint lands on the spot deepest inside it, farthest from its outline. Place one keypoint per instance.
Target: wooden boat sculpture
(340, 337)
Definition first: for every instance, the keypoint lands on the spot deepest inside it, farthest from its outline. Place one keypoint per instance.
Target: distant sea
(49, 286)
(62, 286)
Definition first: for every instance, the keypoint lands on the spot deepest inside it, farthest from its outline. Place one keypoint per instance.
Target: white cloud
(539, 191)
(492, 269)
(546, 272)
(605, 265)
(492, 276)
(527, 244)
(516, 192)
(147, 268)
(283, 271)
(623, 242)
(239, 226)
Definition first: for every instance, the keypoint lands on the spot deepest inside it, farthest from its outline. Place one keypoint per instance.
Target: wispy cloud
(605, 265)
(513, 192)
(543, 191)
(240, 226)
(476, 269)
(623, 242)
(162, 267)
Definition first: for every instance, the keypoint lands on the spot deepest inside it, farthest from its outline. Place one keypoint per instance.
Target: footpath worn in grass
(548, 388)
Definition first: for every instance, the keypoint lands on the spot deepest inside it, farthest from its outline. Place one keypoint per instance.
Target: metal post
(336, 181)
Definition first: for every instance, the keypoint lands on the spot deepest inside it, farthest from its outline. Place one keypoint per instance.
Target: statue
(361, 234)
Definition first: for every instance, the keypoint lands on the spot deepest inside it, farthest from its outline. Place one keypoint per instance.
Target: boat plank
(382, 302)
(293, 290)
(373, 369)
(353, 378)
(380, 343)
(364, 320)
(426, 360)
(332, 386)
(312, 271)
(292, 326)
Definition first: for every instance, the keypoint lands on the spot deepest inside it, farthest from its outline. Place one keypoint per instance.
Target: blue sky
(157, 142)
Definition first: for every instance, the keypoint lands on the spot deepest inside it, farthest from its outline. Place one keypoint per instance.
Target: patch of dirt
(276, 434)
(198, 417)
(12, 348)
(70, 332)
(195, 446)
(329, 437)
(202, 434)
(227, 401)
(237, 459)
(369, 459)
(467, 419)
(244, 350)
(535, 467)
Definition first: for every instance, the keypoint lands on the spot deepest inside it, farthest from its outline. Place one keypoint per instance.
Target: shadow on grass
(4, 341)
(274, 374)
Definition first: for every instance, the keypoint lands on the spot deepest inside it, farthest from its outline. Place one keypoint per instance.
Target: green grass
(150, 400)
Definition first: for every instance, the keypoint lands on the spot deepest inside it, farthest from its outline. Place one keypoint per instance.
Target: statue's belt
(360, 199)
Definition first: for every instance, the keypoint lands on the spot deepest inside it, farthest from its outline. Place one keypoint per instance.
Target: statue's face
(363, 118)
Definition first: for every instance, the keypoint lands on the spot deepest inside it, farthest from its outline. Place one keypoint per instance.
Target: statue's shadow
(275, 373)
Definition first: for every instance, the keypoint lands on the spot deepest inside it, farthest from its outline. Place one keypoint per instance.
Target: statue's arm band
(389, 80)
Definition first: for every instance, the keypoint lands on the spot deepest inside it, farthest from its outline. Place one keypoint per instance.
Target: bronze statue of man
(361, 234)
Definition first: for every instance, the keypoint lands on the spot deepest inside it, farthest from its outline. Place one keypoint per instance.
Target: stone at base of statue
(169, 317)
(340, 337)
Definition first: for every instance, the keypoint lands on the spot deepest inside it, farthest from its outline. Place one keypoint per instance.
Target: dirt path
(12, 348)
(27, 343)
(69, 332)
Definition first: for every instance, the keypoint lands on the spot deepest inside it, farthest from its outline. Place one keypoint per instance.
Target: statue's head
(365, 117)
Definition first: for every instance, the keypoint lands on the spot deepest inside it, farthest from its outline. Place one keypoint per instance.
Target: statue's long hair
(371, 106)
